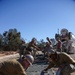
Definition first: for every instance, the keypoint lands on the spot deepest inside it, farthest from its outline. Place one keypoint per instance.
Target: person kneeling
(64, 62)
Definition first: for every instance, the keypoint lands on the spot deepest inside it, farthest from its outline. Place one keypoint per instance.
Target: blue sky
(37, 18)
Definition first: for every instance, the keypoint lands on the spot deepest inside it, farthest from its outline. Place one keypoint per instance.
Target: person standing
(49, 46)
(58, 45)
(22, 49)
(32, 47)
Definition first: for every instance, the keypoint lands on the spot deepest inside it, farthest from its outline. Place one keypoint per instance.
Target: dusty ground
(4, 53)
(33, 69)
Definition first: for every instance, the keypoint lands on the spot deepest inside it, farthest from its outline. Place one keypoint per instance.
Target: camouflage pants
(68, 69)
(34, 53)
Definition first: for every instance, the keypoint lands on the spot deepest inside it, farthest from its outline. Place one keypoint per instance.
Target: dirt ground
(4, 53)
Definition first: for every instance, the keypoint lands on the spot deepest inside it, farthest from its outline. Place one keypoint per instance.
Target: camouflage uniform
(12, 67)
(65, 62)
(32, 48)
(22, 50)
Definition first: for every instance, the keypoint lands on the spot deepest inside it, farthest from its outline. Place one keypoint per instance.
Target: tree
(11, 39)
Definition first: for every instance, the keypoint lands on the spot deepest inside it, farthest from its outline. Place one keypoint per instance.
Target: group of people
(32, 48)
(62, 60)
(19, 66)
